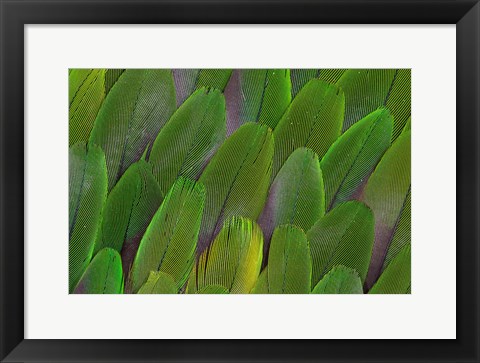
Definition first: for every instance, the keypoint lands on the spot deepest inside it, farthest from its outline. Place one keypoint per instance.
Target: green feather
(257, 95)
(296, 195)
(313, 119)
(352, 158)
(189, 80)
(399, 101)
(289, 269)
(87, 194)
(159, 283)
(408, 125)
(213, 289)
(190, 138)
(213, 78)
(368, 89)
(261, 286)
(340, 280)
(233, 260)
(344, 236)
(169, 242)
(129, 208)
(300, 77)
(396, 279)
(111, 77)
(86, 95)
(132, 115)
(386, 193)
(402, 235)
(103, 275)
(237, 179)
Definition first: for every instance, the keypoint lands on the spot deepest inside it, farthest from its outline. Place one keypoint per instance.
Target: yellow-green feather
(170, 240)
(233, 260)
(236, 179)
(158, 283)
(86, 95)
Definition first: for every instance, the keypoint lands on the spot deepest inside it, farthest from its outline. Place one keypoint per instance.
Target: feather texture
(103, 275)
(368, 89)
(233, 260)
(169, 242)
(300, 77)
(87, 194)
(408, 125)
(396, 279)
(257, 95)
(313, 119)
(296, 195)
(86, 95)
(213, 289)
(132, 115)
(399, 101)
(237, 179)
(339, 280)
(188, 80)
(159, 283)
(261, 286)
(344, 236)
(111, 77)
(352, 158)
(129, 208)
(386, 193)
(189, 139)
(289, 269)
(403, 232)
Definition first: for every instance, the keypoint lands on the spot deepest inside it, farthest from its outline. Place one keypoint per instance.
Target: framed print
(239, 181)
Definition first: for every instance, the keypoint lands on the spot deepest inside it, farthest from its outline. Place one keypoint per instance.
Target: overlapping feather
(368, 89)
(386, 193)
(128, 210)
(232, 261)
(158, 283)
(87, 194)
(296, 195)
(190, 138)
(133, 113)
(103, 275)
(257, 95)
(289, 269)
(300, 77)
(351, 159)
(188, 80)
(344, 236)
(206, 232)
(339, 280)
(86, 94)
(396, 278)
(170, 240)
(313, 119)
(236, 179)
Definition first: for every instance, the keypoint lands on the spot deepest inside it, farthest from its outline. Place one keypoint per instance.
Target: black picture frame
(15, 14)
